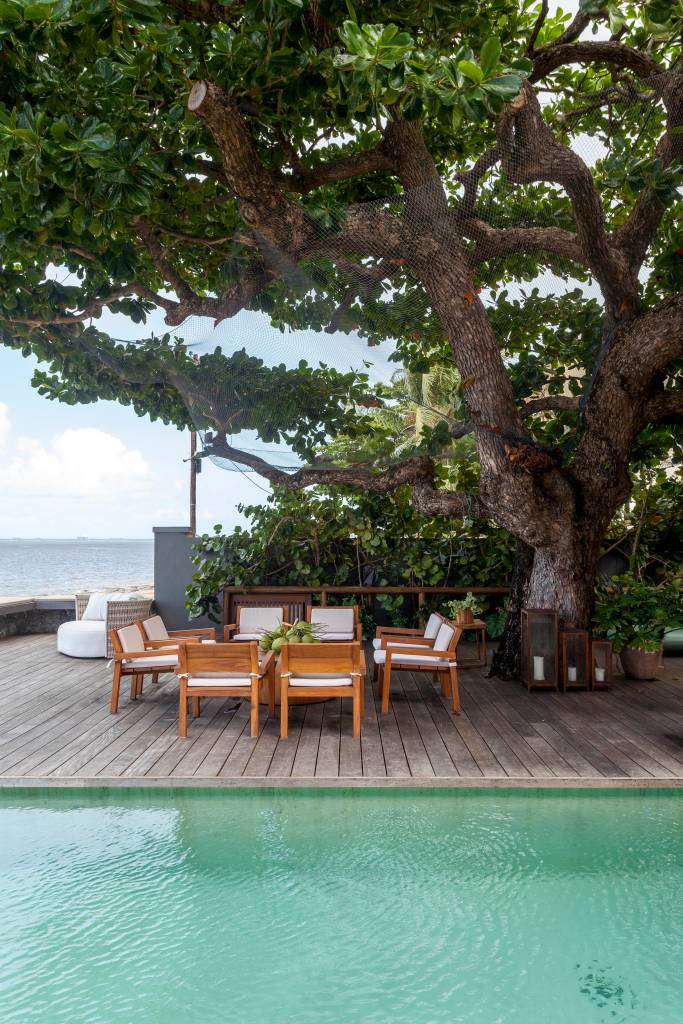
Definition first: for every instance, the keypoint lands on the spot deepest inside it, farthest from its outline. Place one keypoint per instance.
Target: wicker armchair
(119, 614)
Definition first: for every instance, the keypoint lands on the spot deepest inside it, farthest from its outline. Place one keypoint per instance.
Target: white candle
(571, 674)
(539, 672)
(599, 674)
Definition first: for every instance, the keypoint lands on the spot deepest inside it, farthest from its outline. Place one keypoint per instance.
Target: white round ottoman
(84, 638)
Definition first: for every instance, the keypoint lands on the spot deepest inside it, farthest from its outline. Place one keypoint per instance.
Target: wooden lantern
(601, 664)
(539, 648)
(575, 659)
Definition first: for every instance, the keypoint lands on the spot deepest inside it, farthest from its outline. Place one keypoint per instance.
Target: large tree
(192, 155)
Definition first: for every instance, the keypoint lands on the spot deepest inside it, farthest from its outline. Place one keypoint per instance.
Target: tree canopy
(405, 170)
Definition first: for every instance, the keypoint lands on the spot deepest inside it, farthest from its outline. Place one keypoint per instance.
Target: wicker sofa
(89, 638)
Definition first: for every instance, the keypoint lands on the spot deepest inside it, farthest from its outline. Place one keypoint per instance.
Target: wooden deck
(55, 729)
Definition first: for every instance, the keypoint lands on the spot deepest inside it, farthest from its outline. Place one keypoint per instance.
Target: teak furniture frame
(318, 660)
(198, 633)
(150, 650)
(448, 677)
(218, 660)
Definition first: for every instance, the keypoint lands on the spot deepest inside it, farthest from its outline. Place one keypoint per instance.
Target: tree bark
(506, 662)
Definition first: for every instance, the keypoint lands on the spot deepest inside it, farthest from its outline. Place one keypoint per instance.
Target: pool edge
(350, 782)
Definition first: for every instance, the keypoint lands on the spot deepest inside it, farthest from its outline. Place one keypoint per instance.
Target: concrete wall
(172, 573)
(34, 615)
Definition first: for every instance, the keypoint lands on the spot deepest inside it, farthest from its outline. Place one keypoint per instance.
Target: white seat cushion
(84, 638)
(259, 621)
(246, 636)
(335, 623)
(377, 643)
(324, 679)
(96, 608)
(155, 628)
(399, 658)
(443, 637)
(219, 680)
(433, 625)
(166, 661)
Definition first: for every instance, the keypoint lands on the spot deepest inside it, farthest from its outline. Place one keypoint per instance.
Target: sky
(100, 471)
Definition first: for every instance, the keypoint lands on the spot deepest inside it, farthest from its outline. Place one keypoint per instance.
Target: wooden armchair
(132, 656)
(252, 623)
(224, 670)
(154, 630)
(439, 659)
(321, 670)
(338, 623)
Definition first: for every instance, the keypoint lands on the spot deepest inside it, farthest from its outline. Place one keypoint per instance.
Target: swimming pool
(341, 907)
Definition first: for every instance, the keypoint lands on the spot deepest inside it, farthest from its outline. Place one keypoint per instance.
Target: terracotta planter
(639, 664)
(464, 617)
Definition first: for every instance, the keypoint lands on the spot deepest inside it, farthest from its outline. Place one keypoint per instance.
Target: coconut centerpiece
(290, 633)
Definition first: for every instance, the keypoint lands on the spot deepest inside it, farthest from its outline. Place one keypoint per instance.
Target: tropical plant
(635, 614)
(467, 603)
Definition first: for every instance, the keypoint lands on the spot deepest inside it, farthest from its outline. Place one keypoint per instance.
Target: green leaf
(471, 71)
(490, 54)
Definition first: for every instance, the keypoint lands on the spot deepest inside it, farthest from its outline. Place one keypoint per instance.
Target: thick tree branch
(417, 472)
(94, 308)
(500, 242)
(666, 406)
(530, 152)
(610, 52)
(170, 274)
(341, 168)
(542, 15)
(551, 403)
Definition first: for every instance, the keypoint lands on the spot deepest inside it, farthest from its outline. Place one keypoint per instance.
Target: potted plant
(465, 610)
(635, 614)
(289, 633)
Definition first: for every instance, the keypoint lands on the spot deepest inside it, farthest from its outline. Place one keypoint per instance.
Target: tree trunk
(506, 662)
(561, 577)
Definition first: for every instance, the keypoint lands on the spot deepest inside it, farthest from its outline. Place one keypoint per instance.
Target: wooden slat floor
(55, 729)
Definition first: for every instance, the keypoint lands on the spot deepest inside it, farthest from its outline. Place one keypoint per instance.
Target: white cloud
(82, 462)
(5, 423)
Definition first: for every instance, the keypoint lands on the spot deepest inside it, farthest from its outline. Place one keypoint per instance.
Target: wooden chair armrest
(414, 642)
(209, 631)
(227, 630)
(129, 655)
(267, 661)
(398, 630)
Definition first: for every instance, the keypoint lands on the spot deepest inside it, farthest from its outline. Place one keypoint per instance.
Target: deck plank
(55, 724)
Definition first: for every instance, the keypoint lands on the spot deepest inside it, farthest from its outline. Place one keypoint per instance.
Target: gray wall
(172, 573)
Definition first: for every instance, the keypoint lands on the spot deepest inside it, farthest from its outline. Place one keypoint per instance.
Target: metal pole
(193, 483)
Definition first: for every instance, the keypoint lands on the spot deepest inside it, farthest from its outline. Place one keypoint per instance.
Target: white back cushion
(335, 620)
(443, 637)
(259, 620)
(96, 609)
(155, 628)
(432, 628)
(130, 639)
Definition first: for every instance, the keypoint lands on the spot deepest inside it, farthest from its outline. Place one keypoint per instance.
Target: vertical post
(193, 483)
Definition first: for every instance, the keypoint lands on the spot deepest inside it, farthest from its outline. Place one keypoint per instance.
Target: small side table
(480, 660)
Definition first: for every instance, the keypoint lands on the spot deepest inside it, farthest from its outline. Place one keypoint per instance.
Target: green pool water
(341, 907)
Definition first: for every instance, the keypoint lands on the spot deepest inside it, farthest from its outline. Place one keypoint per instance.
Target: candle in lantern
(571, 673)
(599, 674)
(539, 671)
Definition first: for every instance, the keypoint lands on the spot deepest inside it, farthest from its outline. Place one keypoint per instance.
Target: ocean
(33, 568)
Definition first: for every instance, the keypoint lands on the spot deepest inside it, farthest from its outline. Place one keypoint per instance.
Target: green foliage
(470, 602)
(635, 614)
(336, 538)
